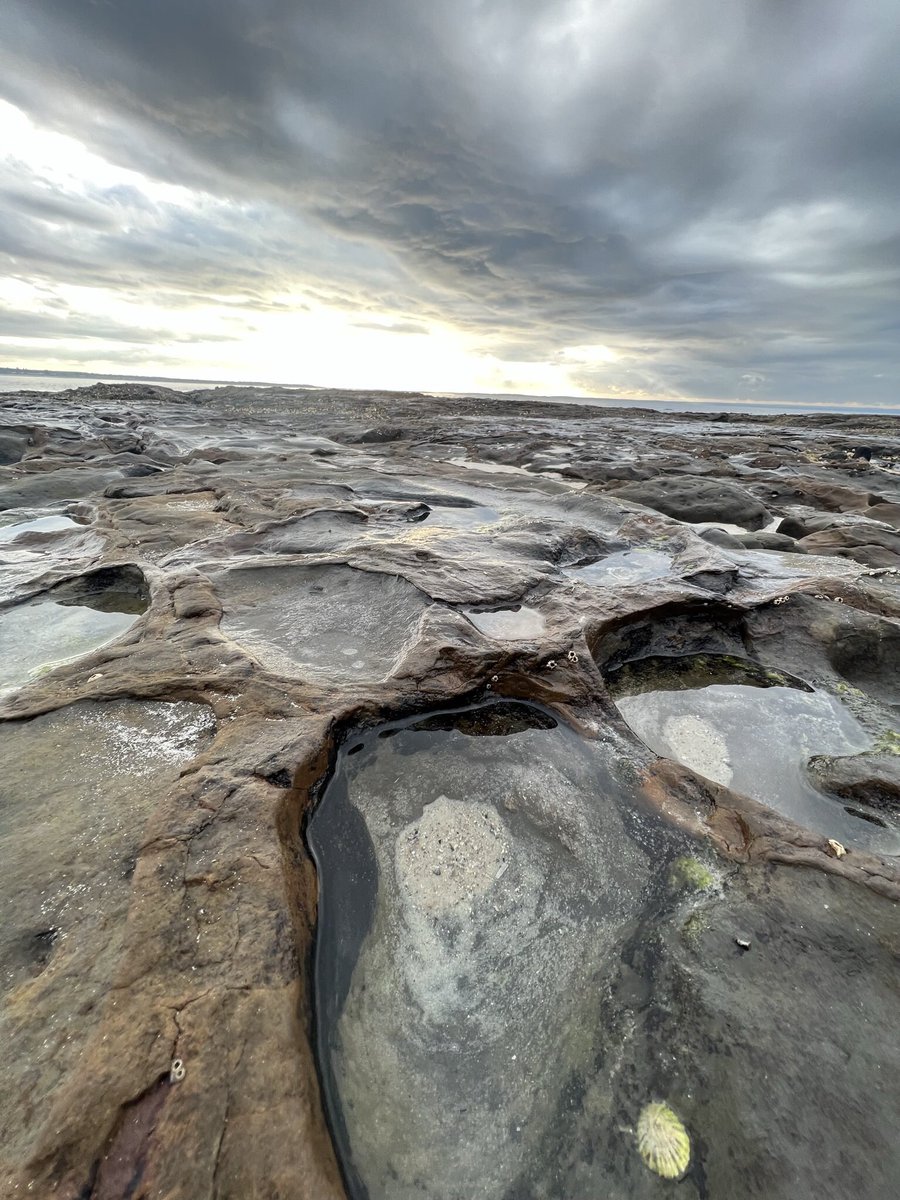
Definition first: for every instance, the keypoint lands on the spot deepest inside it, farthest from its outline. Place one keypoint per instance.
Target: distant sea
(12, 380)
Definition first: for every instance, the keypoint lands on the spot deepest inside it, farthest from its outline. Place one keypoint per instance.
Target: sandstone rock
(718, 537)
(770, 541)
(39, 489)
(12, 447)
(698, 500)
(870, 779)
(870, 544)
(162, 909)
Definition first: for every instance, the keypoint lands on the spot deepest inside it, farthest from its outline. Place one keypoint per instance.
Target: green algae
(887, 742)
(688, 874)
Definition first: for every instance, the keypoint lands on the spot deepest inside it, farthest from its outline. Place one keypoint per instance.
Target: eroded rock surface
(79, 786)
(294, 571)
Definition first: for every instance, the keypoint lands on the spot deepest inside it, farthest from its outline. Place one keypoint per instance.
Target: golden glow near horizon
(290, 337)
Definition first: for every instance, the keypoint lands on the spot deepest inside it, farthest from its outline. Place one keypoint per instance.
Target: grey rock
(690, 499)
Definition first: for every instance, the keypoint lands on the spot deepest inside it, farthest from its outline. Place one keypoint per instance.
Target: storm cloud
(709, 191)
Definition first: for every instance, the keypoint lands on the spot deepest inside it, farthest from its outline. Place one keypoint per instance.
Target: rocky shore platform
(400, 796)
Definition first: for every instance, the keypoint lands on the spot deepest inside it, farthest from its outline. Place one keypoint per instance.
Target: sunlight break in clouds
(290, 339)
(460, 197)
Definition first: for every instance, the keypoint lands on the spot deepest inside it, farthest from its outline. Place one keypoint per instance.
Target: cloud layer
(648, 198)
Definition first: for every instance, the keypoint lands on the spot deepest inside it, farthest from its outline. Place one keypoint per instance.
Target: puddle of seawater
(754, 736)
(508, 624)
(495, 468)
(328, 623)
(678, 672)
(623, 567)
(472, 517)
(35, 638)
(512, 960)
(723, 526)
(474, 892)
(490, 468)
(9, 533)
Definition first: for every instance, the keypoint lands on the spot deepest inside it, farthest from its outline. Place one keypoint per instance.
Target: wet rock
(39, 489)
(793, 528)
(12, 447)
(771, 541)
(718, 537)
(79, 788)
(832, 497)
(870, 545)
(889, 513)
(604, 473)
(872, 779)
(691, 499)
(208, 899)
(379, 434)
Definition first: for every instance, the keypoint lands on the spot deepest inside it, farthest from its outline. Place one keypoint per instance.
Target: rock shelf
(397, 631)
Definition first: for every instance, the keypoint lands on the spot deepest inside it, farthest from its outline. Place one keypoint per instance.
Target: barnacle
(662, 1141)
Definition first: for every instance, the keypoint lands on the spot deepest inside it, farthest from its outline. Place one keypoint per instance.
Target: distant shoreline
(18, 378)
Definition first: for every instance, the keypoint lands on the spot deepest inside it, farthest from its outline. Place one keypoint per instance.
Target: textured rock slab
(778, 1059)
(222, 903)
(698, 500)
(869, 779)
(40, 488)
(78, 788)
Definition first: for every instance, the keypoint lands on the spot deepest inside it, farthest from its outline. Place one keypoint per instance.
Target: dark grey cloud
(711, 185)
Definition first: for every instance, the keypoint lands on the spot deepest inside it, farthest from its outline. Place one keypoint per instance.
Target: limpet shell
(662, 1141)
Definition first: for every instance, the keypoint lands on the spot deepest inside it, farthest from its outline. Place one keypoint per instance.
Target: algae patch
(688, 874)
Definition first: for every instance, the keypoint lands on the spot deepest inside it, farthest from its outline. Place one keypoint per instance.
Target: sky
(620, 198)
